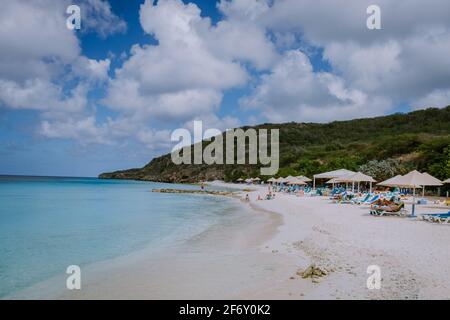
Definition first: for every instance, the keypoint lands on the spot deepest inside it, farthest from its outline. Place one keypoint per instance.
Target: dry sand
(413, 256)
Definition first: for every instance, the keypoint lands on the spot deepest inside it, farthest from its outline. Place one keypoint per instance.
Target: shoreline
(139, 273)
(263, 256)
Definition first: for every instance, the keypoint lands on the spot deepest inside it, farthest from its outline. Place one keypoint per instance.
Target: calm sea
(47, 223)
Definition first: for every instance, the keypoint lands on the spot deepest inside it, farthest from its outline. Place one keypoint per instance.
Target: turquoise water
(47, 224)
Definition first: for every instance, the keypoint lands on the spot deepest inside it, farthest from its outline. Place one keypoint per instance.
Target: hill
(380, 146)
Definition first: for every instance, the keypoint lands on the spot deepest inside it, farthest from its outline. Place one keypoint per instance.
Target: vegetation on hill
(381, 146)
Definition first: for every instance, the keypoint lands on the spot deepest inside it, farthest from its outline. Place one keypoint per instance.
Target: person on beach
(247, 198)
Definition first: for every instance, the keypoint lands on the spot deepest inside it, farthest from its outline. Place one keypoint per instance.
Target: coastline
(194, 270)
(262, 257)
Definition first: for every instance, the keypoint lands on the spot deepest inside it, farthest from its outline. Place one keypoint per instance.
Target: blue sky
(107, 97)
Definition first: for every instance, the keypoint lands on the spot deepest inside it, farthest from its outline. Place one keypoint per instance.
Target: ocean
(49, 223)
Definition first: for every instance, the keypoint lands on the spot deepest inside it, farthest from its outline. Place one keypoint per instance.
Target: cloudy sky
(107, 96)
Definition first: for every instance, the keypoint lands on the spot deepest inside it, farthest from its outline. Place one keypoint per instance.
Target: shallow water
(47, 224)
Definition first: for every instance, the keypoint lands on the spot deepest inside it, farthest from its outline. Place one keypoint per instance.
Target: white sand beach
(261, 260)
(413, 255)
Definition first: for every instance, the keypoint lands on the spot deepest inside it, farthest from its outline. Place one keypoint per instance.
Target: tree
(382, 170)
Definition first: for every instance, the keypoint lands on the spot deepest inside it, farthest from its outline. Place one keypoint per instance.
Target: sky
(109, 95)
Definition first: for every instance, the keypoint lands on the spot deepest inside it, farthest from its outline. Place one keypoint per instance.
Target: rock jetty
(217, 193)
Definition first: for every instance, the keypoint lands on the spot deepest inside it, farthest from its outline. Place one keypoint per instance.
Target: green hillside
(381, 147)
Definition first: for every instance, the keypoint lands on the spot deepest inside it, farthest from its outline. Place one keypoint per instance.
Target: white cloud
(41, 95)
(91, 69)
(84, 130)
(243, 9)
(435, 99)
(34, 39)
(293, 92)
(184, 75)
(403, 62)
(97, 15)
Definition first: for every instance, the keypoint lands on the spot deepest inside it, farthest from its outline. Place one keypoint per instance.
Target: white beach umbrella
(296, 181)
(303, 178)
(272, 180)
(414, 180)
(446, 181)
(256, 179)
(357, 177)
(289, 178)
(431, 181)
(331, 175)
(278, 180)
(391, 182)
(283, 180)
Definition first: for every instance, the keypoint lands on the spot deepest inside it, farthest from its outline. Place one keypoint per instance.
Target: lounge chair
(443, 218)
(389, 210)
(361, 199)
(372, 200)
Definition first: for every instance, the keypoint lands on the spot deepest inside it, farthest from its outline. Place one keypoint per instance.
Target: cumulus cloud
(263, 48)
(293, 91)
(84, 130)
(42, 95)
(39, 50)
(42, 69)
(97, 16)
(404, 62)
(184, 75)
(91, 69)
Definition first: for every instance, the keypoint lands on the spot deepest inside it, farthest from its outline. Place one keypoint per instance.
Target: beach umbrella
(303, 178)
(272, 180)
(414, 180)
(356, 177)
(331, 175)
(240, 180)
(446, 181)
(296, 181)
(278, 180)
(282, 180)
(430, 181)
(390, 182)
(290, 178)
(332, 181)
